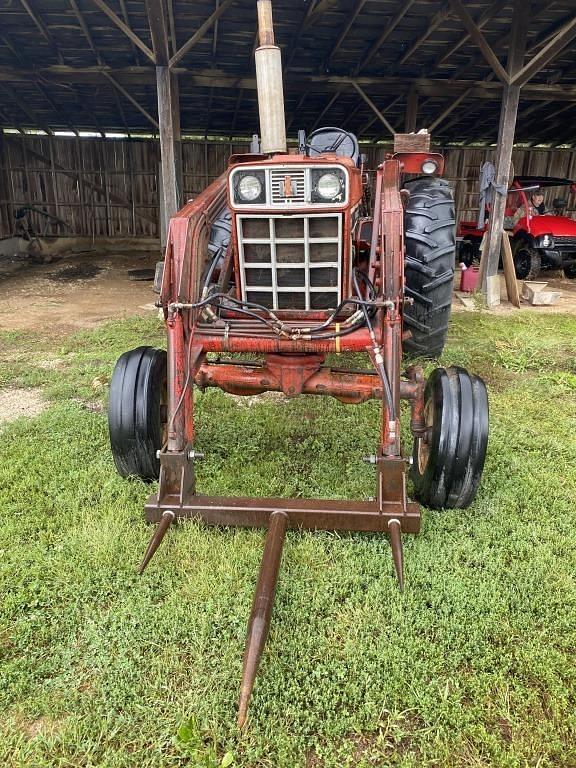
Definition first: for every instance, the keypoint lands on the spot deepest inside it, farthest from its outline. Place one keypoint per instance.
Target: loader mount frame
(293, 367)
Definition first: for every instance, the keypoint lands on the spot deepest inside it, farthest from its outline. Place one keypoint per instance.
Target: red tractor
(279, 258)
(540, 240)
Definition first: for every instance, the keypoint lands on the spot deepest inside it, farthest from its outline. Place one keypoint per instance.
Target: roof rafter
(476, 35)
(547, 54)
(373, 107)
(131, 99)
(346, 27)
(391, 26)
(124, 28)
(200, 32)
(82, 21)
(435, 22)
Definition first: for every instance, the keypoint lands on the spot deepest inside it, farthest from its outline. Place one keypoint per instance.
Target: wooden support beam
(124, 28)
(215, 36)
(481, 22)
(506, 130)
(172, 24)
(391, 26)
(479, 39)
(350, 19)
(158, 31)
(373, 107)
(411, 117)
(131, 99)
(549, 52)
(169, 139)
(200, 32)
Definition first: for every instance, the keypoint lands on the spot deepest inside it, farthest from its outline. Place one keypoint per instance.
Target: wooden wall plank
(129, 167)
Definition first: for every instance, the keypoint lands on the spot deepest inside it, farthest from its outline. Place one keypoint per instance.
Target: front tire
(448, 460)
(570, 271)
(527, 263)
(137, 412)
(430, 241)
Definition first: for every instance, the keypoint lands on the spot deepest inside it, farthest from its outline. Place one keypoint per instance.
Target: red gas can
(469, 279)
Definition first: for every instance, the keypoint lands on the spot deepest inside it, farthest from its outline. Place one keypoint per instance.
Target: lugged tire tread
(429, 265)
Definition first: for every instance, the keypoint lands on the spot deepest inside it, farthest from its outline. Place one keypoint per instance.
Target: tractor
(281, 259)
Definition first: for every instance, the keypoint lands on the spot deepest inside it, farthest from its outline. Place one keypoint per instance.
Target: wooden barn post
(168, 118)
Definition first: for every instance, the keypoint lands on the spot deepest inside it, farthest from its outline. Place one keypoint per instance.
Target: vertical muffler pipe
(269, 84)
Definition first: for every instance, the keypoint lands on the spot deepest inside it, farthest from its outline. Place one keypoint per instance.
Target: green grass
(473, 666)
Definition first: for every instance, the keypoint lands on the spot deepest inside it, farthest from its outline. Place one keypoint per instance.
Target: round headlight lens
(249, 188)
(429, 167)
(328, 186)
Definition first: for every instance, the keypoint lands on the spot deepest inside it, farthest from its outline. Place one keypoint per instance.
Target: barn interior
(114, 114)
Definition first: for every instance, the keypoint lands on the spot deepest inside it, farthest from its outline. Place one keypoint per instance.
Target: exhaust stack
(269, 84)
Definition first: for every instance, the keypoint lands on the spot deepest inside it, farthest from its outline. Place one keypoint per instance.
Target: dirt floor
(76, 292)
(84, 290)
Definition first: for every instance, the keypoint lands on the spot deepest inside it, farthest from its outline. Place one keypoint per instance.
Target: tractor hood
(558, 226)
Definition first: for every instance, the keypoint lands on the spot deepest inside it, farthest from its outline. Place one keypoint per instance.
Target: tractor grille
(293, 181)
(566, 243)
(291, 262)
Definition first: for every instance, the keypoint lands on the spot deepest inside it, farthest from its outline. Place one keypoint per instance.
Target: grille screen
(291, 262)
(288, 186)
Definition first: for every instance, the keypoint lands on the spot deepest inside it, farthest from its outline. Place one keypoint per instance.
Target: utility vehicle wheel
(430, 240)
(137, 412)
(526, 261)
(468, 253)
(448, 461)
(570, 271)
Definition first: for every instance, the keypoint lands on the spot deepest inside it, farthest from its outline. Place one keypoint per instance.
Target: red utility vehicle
(280, 257)
(539, 242)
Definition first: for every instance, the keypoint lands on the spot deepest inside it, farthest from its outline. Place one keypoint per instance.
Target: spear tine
(394, 529)
(259, 622)
(159, 533)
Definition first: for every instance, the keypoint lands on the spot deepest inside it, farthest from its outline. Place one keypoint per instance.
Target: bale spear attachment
(261, 612)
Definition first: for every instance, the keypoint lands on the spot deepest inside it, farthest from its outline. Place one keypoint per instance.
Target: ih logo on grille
(289, 187)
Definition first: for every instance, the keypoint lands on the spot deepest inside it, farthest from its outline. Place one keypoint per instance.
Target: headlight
(328, 186)
(429, 167)
(249, 188)
(545, 241)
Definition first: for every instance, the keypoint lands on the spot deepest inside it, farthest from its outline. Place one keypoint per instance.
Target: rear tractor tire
(137, 412)
(448, 460)
(430, 242)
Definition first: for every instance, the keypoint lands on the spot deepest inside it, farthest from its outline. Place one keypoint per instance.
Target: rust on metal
(259, 623)
(167, 518)
(394, 529)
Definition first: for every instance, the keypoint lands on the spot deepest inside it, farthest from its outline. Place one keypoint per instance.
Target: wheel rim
(423, 445)
(523, 261)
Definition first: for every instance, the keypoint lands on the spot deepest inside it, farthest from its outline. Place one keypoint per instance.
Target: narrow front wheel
(137, 412)
(449, 458)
